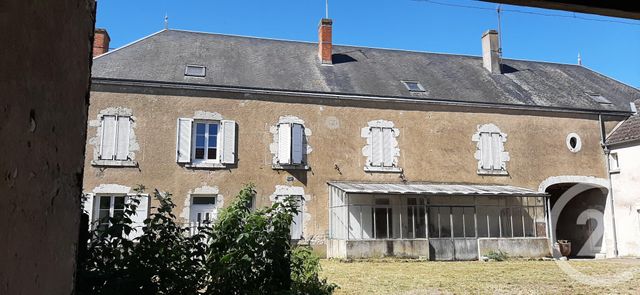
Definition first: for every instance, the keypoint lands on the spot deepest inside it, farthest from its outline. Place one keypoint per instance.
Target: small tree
(244, 252)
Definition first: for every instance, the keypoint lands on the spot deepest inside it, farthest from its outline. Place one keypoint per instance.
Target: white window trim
(504, 156)
(366, 132)
(214, 206)
(614, 158)
(218, 163)
(578, 142)
(294, 191)
(200, 162)
(97, 159)
(306, 149)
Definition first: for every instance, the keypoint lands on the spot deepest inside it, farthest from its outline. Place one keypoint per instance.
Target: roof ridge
(131, 43)
(368, 47)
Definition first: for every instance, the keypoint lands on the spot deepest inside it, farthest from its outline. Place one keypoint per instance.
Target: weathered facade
(623, 147)
(228, 110)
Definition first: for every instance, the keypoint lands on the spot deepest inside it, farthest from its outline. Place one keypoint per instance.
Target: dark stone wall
(45, 61)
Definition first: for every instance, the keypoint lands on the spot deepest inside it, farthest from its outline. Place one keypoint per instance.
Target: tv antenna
(166, 21)
(499, 11)
(326, 8)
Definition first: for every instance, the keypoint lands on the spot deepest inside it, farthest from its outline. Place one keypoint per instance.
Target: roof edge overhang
(435, 189)
(128, 85)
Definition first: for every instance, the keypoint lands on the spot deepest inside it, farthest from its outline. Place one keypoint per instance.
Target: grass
(508, 277)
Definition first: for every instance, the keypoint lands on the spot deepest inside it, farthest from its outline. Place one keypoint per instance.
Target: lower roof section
(434, 189)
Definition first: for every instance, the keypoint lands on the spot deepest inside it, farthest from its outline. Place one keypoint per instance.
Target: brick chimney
(491, 52)
(324, 41)
(100, 42)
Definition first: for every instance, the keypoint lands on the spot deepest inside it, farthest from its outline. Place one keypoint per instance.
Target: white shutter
(137, 220)
(496, 151)
(108, 138)
(296, 225)
(183, 142)
(124, 126)
(228, 153)
(376, 146)
(284, 144)
(387, 135)
(88, 207)
(485, 149)
(297, 136)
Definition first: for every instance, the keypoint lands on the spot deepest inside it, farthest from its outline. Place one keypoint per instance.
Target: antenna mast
(166, 21)
(499, 10)
(326, 9)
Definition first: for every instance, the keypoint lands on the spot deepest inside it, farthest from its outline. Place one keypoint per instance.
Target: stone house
(623, 148)
(388, 152)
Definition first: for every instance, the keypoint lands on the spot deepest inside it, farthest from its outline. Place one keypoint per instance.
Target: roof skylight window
(599, 98)
(195, 71)
(413, 86)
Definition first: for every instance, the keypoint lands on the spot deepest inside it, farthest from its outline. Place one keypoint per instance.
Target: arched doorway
(577, 208)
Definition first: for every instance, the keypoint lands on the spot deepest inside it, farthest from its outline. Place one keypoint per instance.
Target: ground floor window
(203, 209)
(296, 228)
(109, 207)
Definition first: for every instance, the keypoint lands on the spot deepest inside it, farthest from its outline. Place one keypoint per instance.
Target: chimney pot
(491, 52)
(324, 41)
(101, 41)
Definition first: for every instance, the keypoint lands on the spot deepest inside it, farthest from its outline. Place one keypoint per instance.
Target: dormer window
(195, 71)
(413, 86)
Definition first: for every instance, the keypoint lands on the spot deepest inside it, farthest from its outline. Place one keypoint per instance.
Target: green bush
(243, 252)
(498, 255)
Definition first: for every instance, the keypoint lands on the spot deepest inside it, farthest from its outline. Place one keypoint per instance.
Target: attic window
(413, 86)
(195, 71)
(599, 98)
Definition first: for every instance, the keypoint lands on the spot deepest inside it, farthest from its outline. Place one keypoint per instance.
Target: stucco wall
(626, 194)
(44, 81)
(515, 247)
(435, 146)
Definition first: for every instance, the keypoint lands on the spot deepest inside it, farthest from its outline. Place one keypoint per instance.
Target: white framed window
(490, 152)
(206, 143)
(101, 206)
(296, 228)
(114, 138)
(614, 163)
(203, 209)
(574, 142)
(291, 145)
(382, 147)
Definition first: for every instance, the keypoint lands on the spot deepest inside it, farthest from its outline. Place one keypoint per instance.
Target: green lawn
(520, 277)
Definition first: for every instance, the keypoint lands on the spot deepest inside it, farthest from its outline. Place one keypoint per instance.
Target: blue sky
(606, 46)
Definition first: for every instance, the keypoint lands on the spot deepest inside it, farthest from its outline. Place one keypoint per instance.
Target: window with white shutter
(107, 206)
(114, 141)
(382, 147)
(206, 143)
(297, 224)
(490, 150)
(291, 145)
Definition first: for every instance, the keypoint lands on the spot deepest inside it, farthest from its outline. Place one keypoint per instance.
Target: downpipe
(607, 152)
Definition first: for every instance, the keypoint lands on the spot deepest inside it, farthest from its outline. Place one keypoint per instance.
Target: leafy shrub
(305, 267)
(244, 252)
(498, 255)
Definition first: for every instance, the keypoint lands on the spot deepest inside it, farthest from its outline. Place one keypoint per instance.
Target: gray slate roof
(434, 189)
(629, 130)
(293, 66)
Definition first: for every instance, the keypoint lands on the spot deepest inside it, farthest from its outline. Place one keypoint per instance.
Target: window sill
(290, 167)
(493, 172)
(207, 165)
(114, 163)
(383, 169)
(614, 171)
